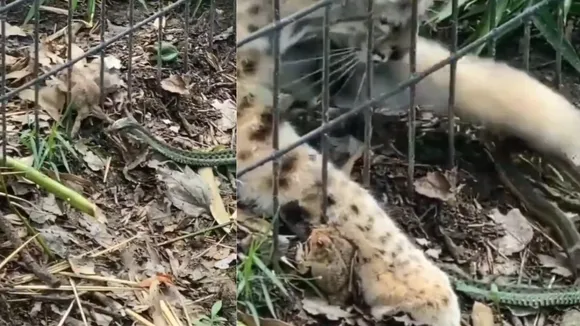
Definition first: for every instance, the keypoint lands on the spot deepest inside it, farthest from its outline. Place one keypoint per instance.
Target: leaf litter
(148, 256)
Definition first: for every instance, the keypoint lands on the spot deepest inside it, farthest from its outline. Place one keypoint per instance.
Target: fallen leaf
(217, 208)
(41, 217)
(225, 263)
(435, 185)
(10, 60)
(186, 190)
(101, 319)
(165, 279)
(49, 204)
(248, 320)
(50, 99)
(319, 306)
(112, 62)
(519, 232)
(94, 162)
(176, 84)
(12, 30)
(228, 110)
(571, 318)
(433, 253)
(423, 242)
(225, 34)
(56, 239)
(481, 314)
(82, 265)
(557, 264)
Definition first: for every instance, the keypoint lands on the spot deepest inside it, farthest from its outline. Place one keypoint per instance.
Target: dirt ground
(155, 248)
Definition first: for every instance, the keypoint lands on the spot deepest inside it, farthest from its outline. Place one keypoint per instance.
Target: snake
(191, 158)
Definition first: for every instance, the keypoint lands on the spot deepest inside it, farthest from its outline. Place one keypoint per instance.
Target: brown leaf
(435, 185)
(50, 99)
(319, 306)
(176, 84)
(519, 231)
(481, 315)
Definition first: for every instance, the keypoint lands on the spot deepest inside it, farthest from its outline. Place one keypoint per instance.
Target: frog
(329, 258)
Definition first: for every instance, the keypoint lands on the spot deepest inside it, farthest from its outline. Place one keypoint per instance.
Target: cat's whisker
(337, 62)
(337, 53)
(352, 72)
(349, 65)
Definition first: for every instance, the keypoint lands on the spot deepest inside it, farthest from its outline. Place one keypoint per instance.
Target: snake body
(192, 158)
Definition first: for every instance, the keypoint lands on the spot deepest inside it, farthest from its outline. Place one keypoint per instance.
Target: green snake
(514, 295)
(191, 158)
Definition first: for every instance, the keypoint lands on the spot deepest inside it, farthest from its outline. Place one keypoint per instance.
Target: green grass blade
(258, 262)
(268, 299)
(445, 12)
(546, 24)
(254, 312)
(30, 13)
(64, 160)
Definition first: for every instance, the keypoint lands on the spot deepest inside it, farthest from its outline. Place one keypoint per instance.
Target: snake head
(122, 124)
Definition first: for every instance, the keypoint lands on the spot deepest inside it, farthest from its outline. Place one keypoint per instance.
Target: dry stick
(40, 272)
(189, 235)
(86, 304)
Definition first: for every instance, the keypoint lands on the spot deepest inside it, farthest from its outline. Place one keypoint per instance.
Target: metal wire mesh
(9, 91)
(489, 39)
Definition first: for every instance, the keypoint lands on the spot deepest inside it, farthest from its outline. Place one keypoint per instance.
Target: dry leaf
(435, 185)
(571, 318)
(176, 84)
(557, 264)
(217, 208)
(10, 60)
(14, 30)
(50, 99)
(481, 315)
(248, 320)
(433, 253)
(225, 262)
(519, 232)
(158, 278)
(319, 306)
(186, 190)
(228, 110)
(82, 265)
(225, 34)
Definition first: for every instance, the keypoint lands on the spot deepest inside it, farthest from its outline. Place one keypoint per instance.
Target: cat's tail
(500, 97)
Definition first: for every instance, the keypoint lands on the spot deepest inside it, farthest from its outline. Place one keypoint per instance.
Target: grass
(479, 17)
(258, 287)
(91, 6)
(51, 151)
(213, 319)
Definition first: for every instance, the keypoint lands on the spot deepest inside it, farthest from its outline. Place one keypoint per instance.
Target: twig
(86, 304)
(219, 226)
(40, 272)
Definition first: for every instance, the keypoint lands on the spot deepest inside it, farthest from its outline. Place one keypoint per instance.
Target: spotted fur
(395, 275)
